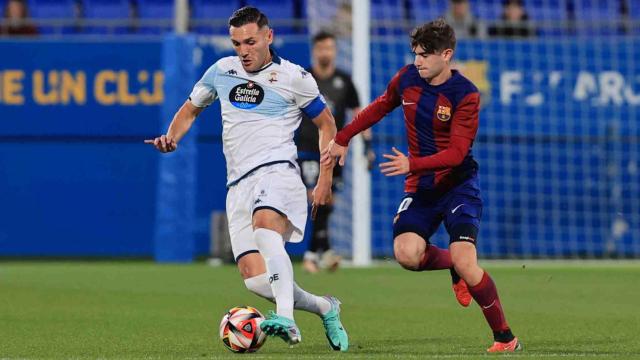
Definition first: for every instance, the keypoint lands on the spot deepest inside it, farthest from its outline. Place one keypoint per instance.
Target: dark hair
(248, 15)
(434, 36)
(322, 35)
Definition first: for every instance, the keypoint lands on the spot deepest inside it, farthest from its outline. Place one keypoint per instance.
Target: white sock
(309, 302)
(259, 285)
(302, 300)
(279, 269)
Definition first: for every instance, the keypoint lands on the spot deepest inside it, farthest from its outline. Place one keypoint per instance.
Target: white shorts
(277, 187)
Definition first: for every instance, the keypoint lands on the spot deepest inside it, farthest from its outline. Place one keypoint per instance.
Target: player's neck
(324, 72)
(440, 78)
(267, 61)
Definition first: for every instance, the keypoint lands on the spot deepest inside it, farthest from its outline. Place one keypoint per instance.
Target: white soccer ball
(240, 329)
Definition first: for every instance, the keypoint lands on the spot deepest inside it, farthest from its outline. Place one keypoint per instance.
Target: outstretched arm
(365, 119)
(180, 125)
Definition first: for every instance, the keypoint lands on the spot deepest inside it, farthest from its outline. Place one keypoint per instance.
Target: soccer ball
(240, 329)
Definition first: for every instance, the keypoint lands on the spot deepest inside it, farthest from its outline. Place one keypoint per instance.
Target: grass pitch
(137, 310)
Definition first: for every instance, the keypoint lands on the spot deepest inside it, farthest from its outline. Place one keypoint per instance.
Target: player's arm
(363, 120)
(203, 95)
(464, 127)
(326, 130)
(180, 125)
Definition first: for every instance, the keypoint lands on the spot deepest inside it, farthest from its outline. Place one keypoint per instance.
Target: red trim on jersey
(374, 112)
(464, 126)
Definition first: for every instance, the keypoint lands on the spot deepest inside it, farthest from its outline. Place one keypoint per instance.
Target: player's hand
(333, 151)
(321, 197)
(163, 143)
(398, 164)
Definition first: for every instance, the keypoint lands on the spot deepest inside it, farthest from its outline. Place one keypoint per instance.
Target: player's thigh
(416, 215)
(272, 219)
(463, 212)
(415, 222)
(280, 191)
(243, 244)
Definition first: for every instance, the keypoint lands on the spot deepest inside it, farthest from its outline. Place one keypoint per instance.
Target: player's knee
(464, 264)
(269, 219)
(408, 252)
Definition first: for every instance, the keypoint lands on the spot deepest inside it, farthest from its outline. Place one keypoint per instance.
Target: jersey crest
(443, 113)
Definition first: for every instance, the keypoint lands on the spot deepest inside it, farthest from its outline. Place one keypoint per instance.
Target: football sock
(486, 295)
(435, 258)
(302, 300)
(259, 285)
(279, 269)
(320, 235)
(309, 302)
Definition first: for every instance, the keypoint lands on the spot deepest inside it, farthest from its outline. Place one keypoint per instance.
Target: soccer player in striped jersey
(441, 116)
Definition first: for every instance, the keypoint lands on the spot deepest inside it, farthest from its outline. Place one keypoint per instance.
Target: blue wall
(75, 176)
(557, 146)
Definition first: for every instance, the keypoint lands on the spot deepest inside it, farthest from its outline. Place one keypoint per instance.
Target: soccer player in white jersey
(262, 99)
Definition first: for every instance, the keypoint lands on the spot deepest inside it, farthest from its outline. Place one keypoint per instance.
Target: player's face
(251, 44)
(324, 52)
(431, 65)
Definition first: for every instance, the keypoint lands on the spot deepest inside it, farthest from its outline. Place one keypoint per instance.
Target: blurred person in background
(463, 22)
(515, 21)
(341, 95)
(16, 19)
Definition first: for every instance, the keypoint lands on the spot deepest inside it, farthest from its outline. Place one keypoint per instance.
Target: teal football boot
(336, 334)
(286, 329)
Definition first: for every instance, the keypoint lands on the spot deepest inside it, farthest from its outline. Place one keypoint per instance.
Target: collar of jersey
(274, 59)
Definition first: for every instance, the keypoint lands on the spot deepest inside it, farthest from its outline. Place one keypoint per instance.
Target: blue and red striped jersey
(441, 122)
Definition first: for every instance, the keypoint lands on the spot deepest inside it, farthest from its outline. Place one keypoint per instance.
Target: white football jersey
(260, 110)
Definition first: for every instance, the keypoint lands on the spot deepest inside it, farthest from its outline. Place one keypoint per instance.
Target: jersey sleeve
(374, 112)
(306, 93)
(465, 118)
(204, 92)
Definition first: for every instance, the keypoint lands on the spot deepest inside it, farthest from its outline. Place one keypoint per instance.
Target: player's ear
(447, 54)
(269, 36)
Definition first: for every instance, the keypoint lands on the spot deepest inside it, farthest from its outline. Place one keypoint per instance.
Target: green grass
(143, 310)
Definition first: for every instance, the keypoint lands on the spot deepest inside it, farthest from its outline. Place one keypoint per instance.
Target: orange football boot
(462, 293)
(500, 347)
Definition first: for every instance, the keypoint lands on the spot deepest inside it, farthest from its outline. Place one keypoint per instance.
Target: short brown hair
(434, 36)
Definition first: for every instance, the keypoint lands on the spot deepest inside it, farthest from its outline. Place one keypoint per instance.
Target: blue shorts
(460, 208)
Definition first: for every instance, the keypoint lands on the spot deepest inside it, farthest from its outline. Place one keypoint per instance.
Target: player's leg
(462, 220)
(251, 264)
(254, 274)
(320, 241)
(413, 225)
(281, 214)
(414, 253)
(309, 171)
(485, 293)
